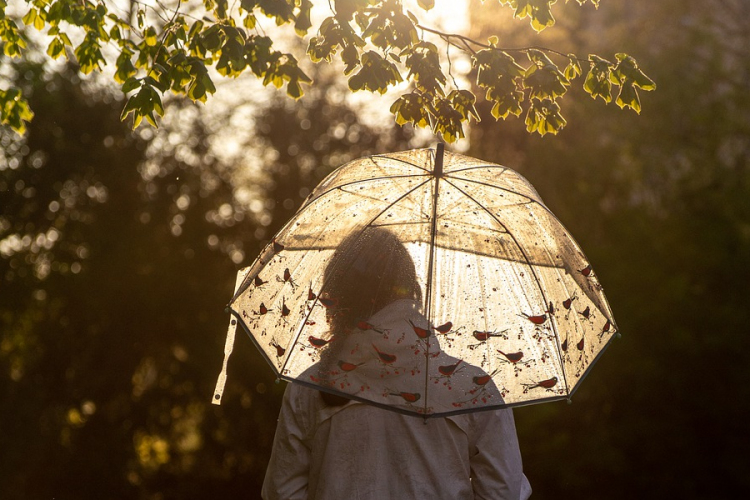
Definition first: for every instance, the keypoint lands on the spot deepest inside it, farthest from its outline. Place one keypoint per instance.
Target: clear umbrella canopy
(426, 283)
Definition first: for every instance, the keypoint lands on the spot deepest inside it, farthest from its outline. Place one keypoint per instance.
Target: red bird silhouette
(606, 326)
(483, 336)
(384, 357)
(445, 328)
(317, 342)
(262, 309)
(310, 294)
(284, 309)
(287, 278)
(568, 302)
(586, 312)
(279, 350)
(482, 379)
(258, 282)
(409, 397)
(449, 369)
(547, 384)
(537, 320)
(277, 247)
(346, 366)
(421, 332)
(513, 357)
(564, 345)
(580, 344)
(586, 271)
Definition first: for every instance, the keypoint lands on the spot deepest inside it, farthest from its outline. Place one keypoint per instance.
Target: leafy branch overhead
(180, 47)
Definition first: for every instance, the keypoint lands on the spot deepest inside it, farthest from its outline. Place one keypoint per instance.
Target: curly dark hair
(368, 271)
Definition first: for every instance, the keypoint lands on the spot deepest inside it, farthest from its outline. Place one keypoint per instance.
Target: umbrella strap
(228, 346)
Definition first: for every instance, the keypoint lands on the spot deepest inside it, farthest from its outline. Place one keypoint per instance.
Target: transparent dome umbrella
(425, 282)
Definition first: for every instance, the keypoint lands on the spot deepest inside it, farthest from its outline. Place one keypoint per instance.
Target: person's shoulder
(300, 395)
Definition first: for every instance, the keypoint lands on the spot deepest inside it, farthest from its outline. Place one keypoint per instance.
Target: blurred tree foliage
(170, 46)
(661, 205)
(117, 258)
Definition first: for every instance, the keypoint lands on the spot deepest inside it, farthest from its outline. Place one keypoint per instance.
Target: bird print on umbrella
(547, 384)
(484, 336)
(516, 359)
(445, 373)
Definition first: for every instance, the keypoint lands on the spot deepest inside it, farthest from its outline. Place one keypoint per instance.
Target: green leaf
(463, 102)
(250, 21)
(448, 121)
(302, 21)
(89, 54)
(143, 104)
(125, 69)
(544, 117)
(130, 85)
(33, 18)
(13, 38)
(539, 12)
(150, 36)
(628, 97)
(200, 86)
(627, 70)
(423, 63)
(14, 110)
(544, 78)
(573, 69)
(375, 74)
(350, 57)
(507, 102)
(55, 48)
(411, 108)
(598, 82)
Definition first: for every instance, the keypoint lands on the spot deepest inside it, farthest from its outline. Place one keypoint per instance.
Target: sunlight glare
(447, 15)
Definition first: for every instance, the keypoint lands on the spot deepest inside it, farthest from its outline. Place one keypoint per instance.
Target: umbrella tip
(439, 150)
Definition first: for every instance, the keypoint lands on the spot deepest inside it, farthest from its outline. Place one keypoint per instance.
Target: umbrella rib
(359, 181)
(533, 272)
(323, 286)
(487, 184)
(476, 167)
(438, 161)
(401, 161)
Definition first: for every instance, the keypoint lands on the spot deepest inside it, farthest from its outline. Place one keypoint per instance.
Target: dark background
(118, 252)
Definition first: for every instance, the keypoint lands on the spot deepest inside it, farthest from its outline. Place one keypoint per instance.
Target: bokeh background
(118, 252)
